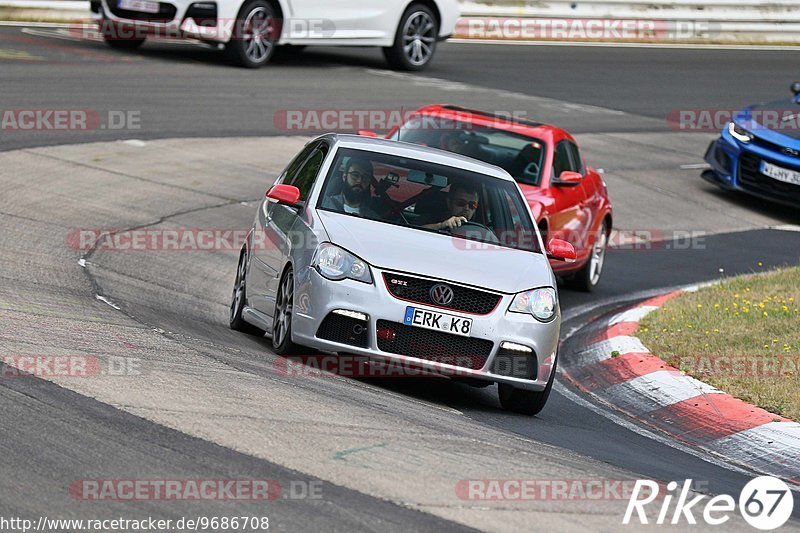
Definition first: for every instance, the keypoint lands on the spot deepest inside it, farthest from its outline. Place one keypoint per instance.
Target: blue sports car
(759, 151)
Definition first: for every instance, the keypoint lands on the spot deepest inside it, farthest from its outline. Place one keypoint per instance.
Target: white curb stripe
(773, 448)
(633, 315)
(624, 344)
(664, 387)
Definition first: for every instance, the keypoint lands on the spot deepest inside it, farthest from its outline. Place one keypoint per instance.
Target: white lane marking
(620, 420)
(60, 34)
(665, 387)
(82, 263)
(107, 301)
(134, 142)
(694, 166)
(455, 86)
(787, 227)
(36, 24)
(766, 47)
(48, 4)
(633, 315)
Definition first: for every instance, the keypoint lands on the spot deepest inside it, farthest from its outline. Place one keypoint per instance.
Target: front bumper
(316, 297)
(176, 19)
(736, 166)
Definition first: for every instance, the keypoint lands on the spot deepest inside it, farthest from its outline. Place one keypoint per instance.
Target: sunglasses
(464, 203)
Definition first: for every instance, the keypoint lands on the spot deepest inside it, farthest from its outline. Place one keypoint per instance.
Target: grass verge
(741, 336)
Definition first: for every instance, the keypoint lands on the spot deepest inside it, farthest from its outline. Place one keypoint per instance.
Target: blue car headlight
(539, 303)
(739, 133)
(337, 264)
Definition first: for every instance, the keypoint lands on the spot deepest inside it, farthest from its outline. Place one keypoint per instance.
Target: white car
(407, 30)
(396, 252)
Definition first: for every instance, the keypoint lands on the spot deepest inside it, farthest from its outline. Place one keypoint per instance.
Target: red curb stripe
(711, 417)
(618, 329)
(616, 370)
(658, 301)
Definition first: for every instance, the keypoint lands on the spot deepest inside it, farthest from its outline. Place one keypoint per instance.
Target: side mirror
(367, 133)
(795, 88)
(284, 194)
(561, 251)
(568, 178)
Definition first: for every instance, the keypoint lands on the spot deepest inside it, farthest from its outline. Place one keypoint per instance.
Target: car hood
(415, 251)
(773, 121)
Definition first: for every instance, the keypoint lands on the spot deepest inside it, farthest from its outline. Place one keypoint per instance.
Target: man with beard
(356, 190)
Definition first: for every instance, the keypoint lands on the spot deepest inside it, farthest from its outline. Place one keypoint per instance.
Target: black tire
(415, 41)
(255, 32)
(282, 317)
(120, 37)
(239, 299)
(526, 402)
(587, 278)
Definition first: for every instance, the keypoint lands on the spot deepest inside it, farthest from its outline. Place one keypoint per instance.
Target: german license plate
(143, 6)
(779, 173)
(424, 318)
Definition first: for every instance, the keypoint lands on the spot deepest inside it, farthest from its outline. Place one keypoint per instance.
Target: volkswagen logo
(441, 294)
(790, 151)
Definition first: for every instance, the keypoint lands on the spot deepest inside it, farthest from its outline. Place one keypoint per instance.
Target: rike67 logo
(765, 503)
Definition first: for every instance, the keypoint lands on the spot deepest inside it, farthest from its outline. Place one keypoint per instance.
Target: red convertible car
(568, 199)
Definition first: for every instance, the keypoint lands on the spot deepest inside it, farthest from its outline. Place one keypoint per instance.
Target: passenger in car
(356, 190)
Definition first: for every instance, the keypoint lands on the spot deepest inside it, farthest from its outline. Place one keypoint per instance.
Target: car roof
(416, 151)
(495, 120)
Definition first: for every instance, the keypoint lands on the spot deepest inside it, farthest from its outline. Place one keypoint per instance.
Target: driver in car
(462, 202)
(356, 193)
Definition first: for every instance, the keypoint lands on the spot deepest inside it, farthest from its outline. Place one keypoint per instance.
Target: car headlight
(739, 133)
(541, 303)
(337, 264)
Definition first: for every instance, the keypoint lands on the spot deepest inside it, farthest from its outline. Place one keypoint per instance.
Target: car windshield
(425, 196)
(517, 154)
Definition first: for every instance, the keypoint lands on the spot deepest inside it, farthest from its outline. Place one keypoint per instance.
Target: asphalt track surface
(173, 306)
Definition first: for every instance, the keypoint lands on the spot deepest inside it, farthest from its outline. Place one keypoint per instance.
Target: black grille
(769, 145)
(166, 12)
(202, 16)
(750, 177)
(418, 290)
(444, 348)
(344, 329)
(515, 364)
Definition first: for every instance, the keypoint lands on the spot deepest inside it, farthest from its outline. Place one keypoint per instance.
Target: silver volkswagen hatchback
(404, 254)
